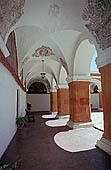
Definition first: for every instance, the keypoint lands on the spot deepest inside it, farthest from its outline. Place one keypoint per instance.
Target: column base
(62, 116)
(100, 109)
(74, 125)
(104, 145)
(54, 113)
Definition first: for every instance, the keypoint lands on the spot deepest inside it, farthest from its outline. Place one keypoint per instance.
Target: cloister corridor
(34, 148)
(55, 63)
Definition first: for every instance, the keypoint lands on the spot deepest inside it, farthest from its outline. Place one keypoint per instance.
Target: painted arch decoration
(37, 88)
(43, 51)
(98, 15)
(45, 82)
(64, 64)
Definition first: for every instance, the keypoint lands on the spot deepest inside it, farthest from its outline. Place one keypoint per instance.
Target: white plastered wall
(62, 78)
(8, 107)
(39, 102)
(95, 100)
(95, 96)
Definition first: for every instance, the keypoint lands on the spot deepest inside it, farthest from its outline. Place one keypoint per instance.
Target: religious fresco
(10, 12)
(37, 88)
(98, 15)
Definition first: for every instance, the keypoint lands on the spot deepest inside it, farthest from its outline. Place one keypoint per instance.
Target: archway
(38, 96)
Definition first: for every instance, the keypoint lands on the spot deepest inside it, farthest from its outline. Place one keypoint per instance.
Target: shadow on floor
(34, 149)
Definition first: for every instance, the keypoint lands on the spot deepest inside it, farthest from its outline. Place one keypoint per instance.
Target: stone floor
(34, 148)
(81, 139)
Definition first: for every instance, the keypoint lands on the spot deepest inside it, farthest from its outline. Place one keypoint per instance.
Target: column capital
(70, 79)
(102, 61)
(53, 90)
(104, 58)
(63, 86)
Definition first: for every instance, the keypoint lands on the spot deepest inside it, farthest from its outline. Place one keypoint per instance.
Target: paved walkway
(34, 149)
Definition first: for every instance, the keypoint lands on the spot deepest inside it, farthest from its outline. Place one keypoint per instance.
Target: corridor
(33, 148)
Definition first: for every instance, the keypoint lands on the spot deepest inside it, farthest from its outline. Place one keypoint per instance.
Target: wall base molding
(74, 125)
(104, 145)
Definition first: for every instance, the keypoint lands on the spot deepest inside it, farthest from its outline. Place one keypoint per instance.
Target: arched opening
(93, 66)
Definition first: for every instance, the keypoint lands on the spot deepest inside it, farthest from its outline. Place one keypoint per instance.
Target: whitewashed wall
(8, 107)
(39, 102)
(22, 102)
(95, 100)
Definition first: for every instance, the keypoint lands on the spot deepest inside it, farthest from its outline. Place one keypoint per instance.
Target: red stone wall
(79, 101)
(63, 101)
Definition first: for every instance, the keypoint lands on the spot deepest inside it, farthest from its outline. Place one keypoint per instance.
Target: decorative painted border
(43, 51)
(98, 15)
(10, 13)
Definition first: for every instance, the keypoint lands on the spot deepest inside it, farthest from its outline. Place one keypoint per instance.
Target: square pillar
(100, 100)
(106, 90)
(105, 142)
(79, 104)
(63, 102)
(54, 108)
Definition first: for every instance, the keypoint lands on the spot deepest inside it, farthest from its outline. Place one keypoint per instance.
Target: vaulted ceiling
(56, 24)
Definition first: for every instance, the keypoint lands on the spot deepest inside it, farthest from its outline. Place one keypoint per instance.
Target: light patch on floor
(49, 116)
(78, 139)
(57, 122)
(97, 119)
